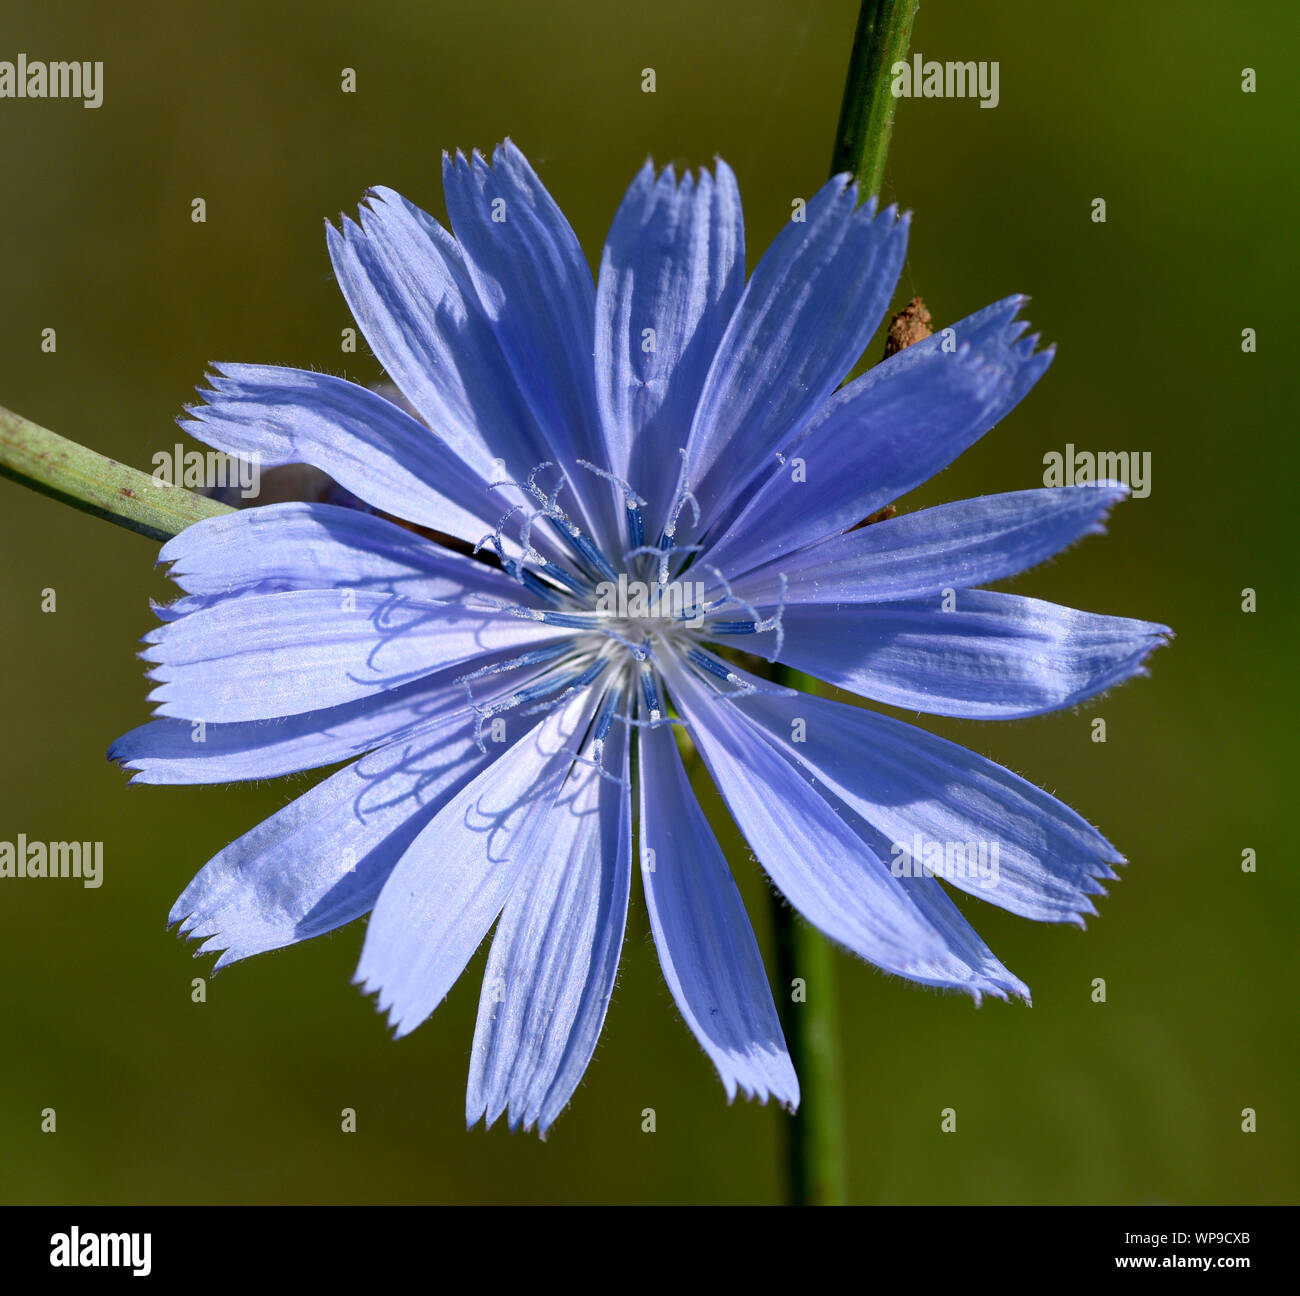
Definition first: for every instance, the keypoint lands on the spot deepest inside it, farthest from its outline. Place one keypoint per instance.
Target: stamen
(650, 691)
(526, 538)
(776, 620)
(683, 496)
(515, 566)
(686, 497)
(531, 658)
(728, 595)
(636, 723)
(758, 625)
(494, 540)
(572, 620)
(629, 495)
(641, 651)
(530, 485)
(579, 759)
(490, 604)
(575, 685)
(551, 510)
(634, 502)
(654, 551)
(563, 576)
(663, 551)
(589, 551)
(482, 714)
(603, 723)
(551, 500)
(713, 665)
(717, 667)
(532, 582)
(571, 684)
(636, 523)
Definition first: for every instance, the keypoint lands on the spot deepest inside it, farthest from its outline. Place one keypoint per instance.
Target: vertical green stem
(815, 1146)
(817, 1171)
(867, 110)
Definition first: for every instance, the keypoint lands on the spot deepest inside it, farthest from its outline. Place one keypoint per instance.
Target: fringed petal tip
(653, 176)
(134, 764)
(1004, 987)
(191, 926)
(782, 1096)
(385, 1004)
(515, 1123)
(1157, 636)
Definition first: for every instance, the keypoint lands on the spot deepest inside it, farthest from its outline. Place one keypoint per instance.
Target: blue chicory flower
(605, 486)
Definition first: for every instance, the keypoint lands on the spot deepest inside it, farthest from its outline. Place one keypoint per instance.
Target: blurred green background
(238, 1099)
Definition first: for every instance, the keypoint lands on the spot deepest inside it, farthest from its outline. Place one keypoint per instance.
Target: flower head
(588, 503)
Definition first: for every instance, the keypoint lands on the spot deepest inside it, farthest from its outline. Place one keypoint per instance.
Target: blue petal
(810, 308)
(536, 290)
(820, 859)
(909, 784)
(265, 655)
(453, 880)
(368, 445)
(322, 860)
(176, 751)
(982, 971)
(407, 285)
(993, 657)
(953, 546)
(321, 546)
(886, 433)
(706, 945)
(555, 953)
(674, 263)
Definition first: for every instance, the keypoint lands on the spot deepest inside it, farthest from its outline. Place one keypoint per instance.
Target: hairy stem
(867, 110)
(73, 474)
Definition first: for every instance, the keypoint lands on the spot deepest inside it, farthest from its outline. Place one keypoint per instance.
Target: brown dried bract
(909, 326)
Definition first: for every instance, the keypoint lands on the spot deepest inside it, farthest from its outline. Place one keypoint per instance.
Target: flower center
(624, 611)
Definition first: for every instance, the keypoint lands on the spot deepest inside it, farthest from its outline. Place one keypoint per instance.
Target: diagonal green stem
(71, 473)
(817, 1168)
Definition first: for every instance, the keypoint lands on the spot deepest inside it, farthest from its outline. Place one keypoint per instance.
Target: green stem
(71, 473)
(867, 110)
(815, 1146)
(817, 1167)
